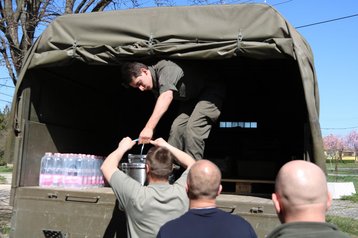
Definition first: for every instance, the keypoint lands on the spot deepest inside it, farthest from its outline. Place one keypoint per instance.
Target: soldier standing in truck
(198, 90)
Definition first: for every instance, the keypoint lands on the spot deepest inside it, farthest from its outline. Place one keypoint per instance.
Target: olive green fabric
(189, 32)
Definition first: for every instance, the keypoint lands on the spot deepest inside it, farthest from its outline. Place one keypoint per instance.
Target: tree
(334, 146)
(21, 20)
(4, 130)
(352, 142)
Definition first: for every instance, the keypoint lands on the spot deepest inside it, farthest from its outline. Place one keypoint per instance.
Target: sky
(334, 42)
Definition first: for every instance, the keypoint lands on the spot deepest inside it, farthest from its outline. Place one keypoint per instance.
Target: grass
(5, 169)
(347, 167)
(347, 225)
(353, 198)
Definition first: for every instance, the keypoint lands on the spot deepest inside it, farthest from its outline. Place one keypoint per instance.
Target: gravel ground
(343, 208)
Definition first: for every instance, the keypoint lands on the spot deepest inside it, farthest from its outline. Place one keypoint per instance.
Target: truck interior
(83, 108)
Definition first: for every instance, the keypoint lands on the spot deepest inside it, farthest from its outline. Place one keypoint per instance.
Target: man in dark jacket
(301, 200)
(204, 219)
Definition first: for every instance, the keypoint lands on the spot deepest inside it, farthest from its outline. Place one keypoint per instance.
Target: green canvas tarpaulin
(217, 32)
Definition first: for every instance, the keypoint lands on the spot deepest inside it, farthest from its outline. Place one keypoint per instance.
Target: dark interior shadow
(117, 227)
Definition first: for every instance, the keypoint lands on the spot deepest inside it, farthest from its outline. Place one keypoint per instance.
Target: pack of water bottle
(71, 171)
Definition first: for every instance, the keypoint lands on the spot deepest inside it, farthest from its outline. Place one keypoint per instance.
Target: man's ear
(220, 189)
(147, 168)
(276, 203)
(329, 200)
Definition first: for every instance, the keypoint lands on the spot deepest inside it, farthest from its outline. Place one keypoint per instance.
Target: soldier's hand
(126, 143)
(159, 142)
(145, 136)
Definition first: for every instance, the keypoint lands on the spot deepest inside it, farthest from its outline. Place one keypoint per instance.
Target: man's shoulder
(304, 229)
(165, 63)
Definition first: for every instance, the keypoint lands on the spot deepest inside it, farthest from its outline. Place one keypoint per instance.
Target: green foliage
(347, 225)
(348, 161)
(4, 120)
(5, 229)
(2, 159)
(2, 179)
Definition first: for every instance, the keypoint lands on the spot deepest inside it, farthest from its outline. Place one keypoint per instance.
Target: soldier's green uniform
(306, 230)
(201, 96)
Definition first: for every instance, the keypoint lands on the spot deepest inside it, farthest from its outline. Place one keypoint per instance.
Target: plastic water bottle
(70, 171)
(100, 174)
(47, 163)
(80, 167)
(100, 178)
(58, 171)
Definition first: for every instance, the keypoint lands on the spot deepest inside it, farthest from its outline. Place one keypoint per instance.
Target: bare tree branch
(87, 6)
(20, 20)
(69, 6)
(78, 9)
(101, 5)
(7, 60)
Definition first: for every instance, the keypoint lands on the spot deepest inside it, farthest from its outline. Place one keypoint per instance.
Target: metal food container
(135, 167)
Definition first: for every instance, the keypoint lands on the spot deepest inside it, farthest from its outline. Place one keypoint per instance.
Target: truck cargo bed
(93, 213)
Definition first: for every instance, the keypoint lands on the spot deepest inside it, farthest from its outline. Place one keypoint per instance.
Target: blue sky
(335, 49)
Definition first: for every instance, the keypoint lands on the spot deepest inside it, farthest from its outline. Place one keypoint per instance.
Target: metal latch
(258, 209)
(54, 234)
(52, 195)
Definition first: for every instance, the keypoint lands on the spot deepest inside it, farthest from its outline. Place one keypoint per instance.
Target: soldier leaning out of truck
(147, 208)
(301, 200)
(200, 94)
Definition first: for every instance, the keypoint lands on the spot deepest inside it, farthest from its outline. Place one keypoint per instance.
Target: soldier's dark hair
(131, 70)
(160, 162)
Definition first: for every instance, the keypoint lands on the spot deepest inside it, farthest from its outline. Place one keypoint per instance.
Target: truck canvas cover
(69, 97)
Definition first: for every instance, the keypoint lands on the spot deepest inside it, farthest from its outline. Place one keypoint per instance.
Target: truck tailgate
(66, 213)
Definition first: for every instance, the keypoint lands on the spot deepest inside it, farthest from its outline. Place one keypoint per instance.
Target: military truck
(69, 99)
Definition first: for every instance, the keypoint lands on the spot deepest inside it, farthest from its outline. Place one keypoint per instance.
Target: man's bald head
(204, 180)
(301, 186)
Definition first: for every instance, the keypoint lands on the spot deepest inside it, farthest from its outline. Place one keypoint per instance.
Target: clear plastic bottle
(58, 170)
(46, 175)
(80, 171)
(100, 174)
(70, 171)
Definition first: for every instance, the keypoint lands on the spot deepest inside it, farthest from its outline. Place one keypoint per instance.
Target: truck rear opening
(69, 99)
